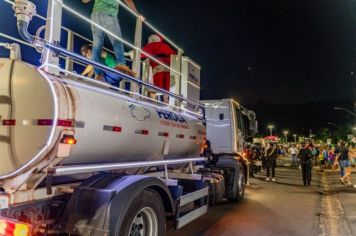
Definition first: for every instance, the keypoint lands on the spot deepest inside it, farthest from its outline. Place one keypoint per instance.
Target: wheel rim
(145, 223)
(241, 183)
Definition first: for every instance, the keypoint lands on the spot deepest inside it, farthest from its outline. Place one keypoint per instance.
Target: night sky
(276, 51)
(290, 61)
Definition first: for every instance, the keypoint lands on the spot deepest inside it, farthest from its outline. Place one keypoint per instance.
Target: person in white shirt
(293, 152)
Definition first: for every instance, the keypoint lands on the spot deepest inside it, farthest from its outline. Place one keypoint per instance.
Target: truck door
(240, 128)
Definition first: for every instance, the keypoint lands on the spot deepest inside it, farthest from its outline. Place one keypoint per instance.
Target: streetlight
(345, 109)
(295, 138)
(270, 129)
(286, 135)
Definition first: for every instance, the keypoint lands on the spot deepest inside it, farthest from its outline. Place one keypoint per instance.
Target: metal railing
(72, 58)
(75, 56)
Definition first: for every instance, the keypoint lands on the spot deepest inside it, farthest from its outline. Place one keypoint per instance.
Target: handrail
(75, 56)
(94, 81)
(30, 45)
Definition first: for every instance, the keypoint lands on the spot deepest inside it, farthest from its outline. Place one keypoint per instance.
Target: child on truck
(107, 59)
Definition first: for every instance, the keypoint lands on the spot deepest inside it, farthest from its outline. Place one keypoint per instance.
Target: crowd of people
(263, 159)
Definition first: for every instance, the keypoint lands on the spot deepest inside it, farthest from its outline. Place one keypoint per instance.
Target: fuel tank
(37, 108)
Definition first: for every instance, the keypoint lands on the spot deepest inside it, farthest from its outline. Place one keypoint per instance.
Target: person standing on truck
(305, 156)
(271, 159)
(160, 50)
(105, 14)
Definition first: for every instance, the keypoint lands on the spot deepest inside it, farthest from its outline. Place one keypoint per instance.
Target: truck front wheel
(240, 184)
(145, 216)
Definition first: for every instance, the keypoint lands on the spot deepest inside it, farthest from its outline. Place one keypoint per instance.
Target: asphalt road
(283, 208)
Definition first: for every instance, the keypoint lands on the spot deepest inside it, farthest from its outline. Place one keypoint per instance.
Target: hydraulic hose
(24, 10)
(22, 27)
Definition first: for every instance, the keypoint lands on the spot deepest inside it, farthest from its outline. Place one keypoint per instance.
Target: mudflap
(98, 205)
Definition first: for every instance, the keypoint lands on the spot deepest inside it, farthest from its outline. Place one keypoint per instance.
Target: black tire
(147, 199)
(240, 185)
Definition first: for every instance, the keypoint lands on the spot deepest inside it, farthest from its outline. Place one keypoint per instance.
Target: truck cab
(85, 157)
(228, 125)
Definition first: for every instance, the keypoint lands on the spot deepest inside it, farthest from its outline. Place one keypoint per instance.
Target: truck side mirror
(253, 127)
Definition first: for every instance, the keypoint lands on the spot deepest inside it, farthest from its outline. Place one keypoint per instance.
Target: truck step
(182, 221)
(191, 197)
(199, 201)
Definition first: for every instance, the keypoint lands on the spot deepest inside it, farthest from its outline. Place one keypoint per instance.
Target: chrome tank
(36, 109)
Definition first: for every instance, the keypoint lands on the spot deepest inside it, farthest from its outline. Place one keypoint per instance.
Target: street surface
(283, 208)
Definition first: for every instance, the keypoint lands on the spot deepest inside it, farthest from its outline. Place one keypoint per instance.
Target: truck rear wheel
(145, 216)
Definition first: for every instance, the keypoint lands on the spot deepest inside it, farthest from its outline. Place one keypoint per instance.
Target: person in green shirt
(107, 59)
(105, 14)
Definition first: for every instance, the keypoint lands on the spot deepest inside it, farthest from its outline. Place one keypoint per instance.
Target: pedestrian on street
(263, 158)
(305, 156)
(257, 154)
(325, 155)
(331, 157)
(336, 152)
(294, 152)
(248, 155)
(343, 158)
(315, 152)
(271, 160)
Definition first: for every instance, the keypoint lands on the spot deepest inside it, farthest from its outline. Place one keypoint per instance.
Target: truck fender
(99, 204)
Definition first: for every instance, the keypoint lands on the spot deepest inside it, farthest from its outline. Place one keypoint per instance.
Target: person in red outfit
(160, 50)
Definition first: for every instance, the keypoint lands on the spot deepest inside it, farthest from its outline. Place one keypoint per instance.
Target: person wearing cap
(305, 157)
(157, 48)
(271, 159)
(105, 14)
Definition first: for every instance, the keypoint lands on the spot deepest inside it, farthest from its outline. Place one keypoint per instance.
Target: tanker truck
(82, 157)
